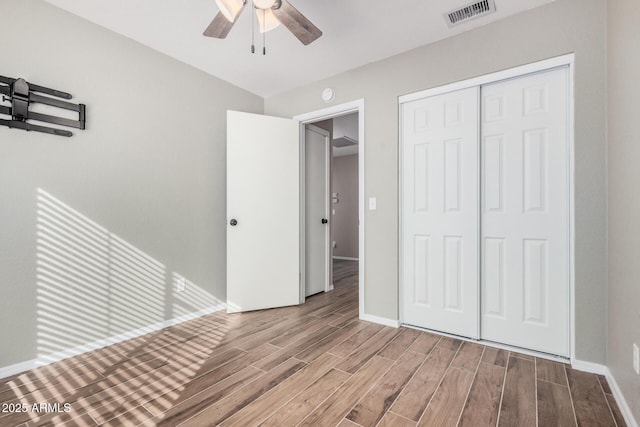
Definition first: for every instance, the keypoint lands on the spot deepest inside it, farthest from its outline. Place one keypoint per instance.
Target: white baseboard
(346, 258)
(596, 368)
(10, 370)
(7, 371)
(380, 320)
(622, 402)
(592, 368)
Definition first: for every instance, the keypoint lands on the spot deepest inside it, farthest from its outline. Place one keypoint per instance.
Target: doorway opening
(342, 238)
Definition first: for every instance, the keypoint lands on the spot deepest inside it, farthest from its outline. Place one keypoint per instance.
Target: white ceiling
(356, 32)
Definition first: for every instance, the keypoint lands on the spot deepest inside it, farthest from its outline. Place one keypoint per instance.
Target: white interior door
(525, 212)
(317, 151)
(263, 212)
(440, 212)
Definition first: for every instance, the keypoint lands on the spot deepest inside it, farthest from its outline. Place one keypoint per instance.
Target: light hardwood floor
(312, 365)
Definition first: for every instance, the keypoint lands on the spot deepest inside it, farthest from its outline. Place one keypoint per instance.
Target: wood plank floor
(312, 365)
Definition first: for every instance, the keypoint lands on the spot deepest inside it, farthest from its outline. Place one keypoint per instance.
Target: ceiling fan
(270, 13)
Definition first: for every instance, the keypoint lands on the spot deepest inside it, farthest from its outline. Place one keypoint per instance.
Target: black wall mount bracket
(21, 94)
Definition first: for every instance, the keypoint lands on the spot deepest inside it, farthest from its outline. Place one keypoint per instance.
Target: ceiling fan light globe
(230, 8)
(264, 4)
(266, 20)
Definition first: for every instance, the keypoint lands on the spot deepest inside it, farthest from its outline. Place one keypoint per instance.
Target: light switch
(372, 203)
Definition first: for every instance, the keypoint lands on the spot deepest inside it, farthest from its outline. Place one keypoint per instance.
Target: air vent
(474, 10)
(344, 141)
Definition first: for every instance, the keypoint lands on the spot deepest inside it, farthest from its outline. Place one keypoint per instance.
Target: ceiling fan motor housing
(270, 13)
(267, 4)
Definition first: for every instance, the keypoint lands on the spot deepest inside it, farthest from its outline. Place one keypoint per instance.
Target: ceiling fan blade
(219, 27)
(296, 22)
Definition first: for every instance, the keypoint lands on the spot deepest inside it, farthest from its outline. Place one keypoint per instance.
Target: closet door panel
(440, 212)
(525, 207)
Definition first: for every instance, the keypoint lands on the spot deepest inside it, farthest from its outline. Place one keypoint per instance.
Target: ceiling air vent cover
(469, 12)
(344, 141)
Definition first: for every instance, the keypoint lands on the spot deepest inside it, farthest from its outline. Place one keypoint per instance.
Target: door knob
(325, 220)
(233, 222)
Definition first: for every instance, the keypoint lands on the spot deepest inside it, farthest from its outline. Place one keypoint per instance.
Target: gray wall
(346, 126)
(344, 224)
(95, 229)
(624, 197)
(560, 27)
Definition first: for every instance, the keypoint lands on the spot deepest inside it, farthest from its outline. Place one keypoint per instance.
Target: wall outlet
(636, 359)
(181, 285)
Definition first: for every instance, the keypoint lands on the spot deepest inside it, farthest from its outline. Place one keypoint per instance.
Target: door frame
(356, 106)
(328, 286)
(567, 60)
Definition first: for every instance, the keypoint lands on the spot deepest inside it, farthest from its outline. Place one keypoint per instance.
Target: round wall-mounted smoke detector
(328, 95)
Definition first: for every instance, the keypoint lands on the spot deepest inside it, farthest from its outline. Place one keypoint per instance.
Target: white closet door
(440, 212)
(525, 212)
